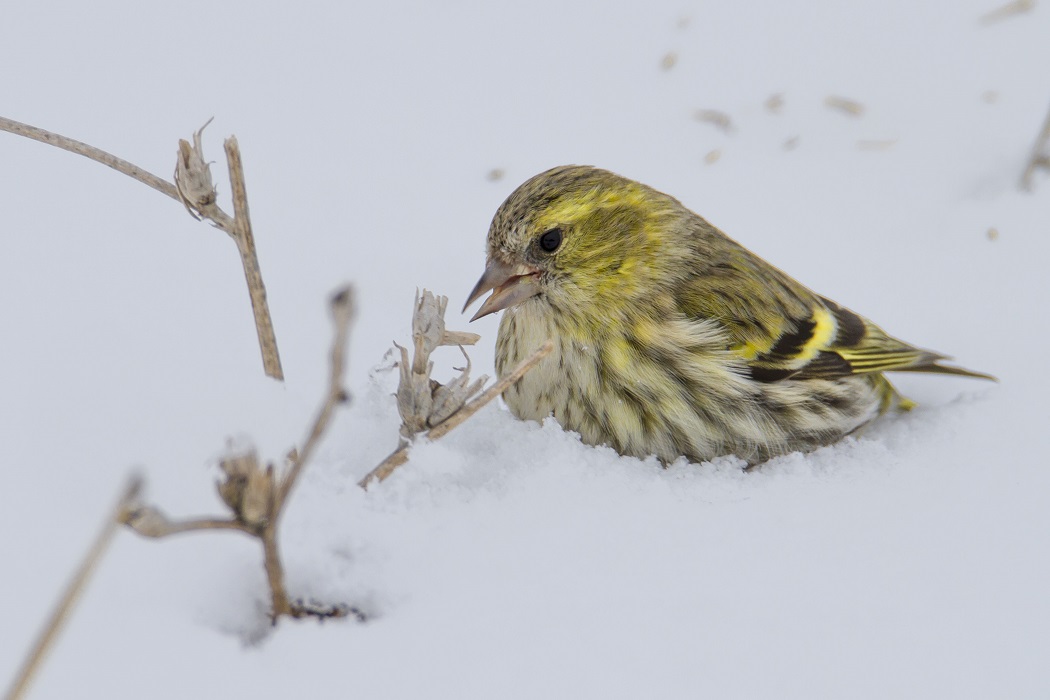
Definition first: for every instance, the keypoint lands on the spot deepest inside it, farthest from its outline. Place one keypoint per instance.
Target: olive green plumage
(670, 338)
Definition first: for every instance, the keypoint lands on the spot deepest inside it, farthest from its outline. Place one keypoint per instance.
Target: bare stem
(95, 154)
(400, 455)
(387, 467)
(250, 261)
(342, 307)
(274, 572)
(76, 586)
(178, 527)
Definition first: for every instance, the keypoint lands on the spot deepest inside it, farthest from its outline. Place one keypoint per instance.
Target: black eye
(550, 241)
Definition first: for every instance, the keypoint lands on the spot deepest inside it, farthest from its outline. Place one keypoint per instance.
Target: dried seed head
(421, 401)
(193, 175)
(449, 398)
(247, 488)
(414, 396)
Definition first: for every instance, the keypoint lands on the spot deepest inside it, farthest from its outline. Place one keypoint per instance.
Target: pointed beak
(513, 284)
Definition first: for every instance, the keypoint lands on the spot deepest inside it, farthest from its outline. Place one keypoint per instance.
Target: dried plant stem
(400, 455)
(167, 528)
(387, 467)
(1040, 157)
(342, 306)
(343, 311)
(250, 261)
(76, 586)
(279, 604)
(95, 154)
(238, 226)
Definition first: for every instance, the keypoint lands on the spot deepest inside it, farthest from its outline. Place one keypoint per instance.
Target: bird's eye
(550, 241)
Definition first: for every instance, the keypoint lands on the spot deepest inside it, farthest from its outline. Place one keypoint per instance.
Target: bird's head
(578, 237)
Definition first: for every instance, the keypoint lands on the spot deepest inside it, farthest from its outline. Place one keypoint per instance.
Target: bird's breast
(564, 376)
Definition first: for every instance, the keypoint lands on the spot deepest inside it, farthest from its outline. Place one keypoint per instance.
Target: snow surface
(508, 560)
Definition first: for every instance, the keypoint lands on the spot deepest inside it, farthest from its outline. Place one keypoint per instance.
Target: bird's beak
(513, 284)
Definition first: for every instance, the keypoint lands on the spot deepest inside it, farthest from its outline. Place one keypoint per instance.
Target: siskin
(671, 339)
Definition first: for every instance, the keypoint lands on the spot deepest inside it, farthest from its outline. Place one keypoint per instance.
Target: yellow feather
(823, 333)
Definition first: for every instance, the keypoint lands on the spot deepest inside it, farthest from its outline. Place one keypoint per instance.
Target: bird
(670, 338)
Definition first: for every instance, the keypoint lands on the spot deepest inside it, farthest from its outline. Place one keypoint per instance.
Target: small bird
(671, 339)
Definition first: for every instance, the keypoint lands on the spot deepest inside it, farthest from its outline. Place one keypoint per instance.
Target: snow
(509, 560)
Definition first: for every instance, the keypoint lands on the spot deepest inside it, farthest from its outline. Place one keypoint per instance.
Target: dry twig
(76, 586)
(343, 311)
(193, 187)
(431, 409)
(1040, 157)
(257, 495)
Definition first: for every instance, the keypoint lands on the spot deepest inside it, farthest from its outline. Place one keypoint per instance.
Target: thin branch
(1040, 157)
(95, 154)
(400, 455)
(144, 522)
(279, 604)
(250, 261)
(342, 307)
(194, 189)
(388, 466)
(76, 586)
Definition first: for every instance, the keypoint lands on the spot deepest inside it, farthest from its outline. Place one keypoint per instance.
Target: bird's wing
(782, 330)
